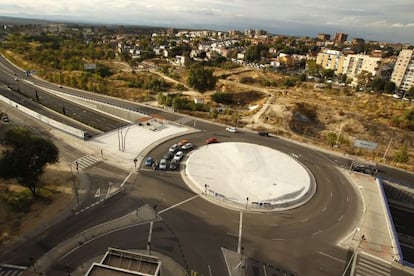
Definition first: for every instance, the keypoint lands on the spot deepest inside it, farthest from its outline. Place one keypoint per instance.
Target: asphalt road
(301, 241)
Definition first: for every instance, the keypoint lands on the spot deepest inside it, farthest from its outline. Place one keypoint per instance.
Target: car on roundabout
(183, 142)
(231, 129)
(163, 164)
(174, 148)
(148, 161)
(178, 156)
(174, 164)
(211, 140)
(169, 155)
(187, 146)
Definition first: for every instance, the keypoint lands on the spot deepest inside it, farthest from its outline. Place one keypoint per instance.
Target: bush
(19, 201)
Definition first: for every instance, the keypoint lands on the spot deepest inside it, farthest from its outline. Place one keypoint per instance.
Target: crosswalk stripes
(85, 162)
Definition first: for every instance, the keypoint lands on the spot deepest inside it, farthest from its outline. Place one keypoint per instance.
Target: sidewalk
(372, 235)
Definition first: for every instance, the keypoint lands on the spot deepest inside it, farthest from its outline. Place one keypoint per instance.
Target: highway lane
(295, 246)
(66, 108)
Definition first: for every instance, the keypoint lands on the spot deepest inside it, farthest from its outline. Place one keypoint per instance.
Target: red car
(211, 140)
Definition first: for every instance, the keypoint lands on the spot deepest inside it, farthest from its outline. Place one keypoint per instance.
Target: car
(148, 161)
(174, 164)
(174, 148)
(163, 164)
(178, 155)
(169, 155)
(211, 140)
(231, 129)
(183, 142)
(263, 133)
(187, 146)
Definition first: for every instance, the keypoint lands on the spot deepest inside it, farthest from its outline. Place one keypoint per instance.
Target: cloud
(400, 25)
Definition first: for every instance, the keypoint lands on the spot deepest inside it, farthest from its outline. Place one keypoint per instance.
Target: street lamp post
(247, 201)
(205, 189)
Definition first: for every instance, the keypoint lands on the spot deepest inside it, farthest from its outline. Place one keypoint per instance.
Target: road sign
(365, 144)
(90, 66)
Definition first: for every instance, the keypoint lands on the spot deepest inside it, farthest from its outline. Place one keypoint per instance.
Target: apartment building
(355, 64)
(331, 59)
(403, 73)
(340, 38)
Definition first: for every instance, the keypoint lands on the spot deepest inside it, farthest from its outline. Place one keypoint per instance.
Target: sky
(381, 20)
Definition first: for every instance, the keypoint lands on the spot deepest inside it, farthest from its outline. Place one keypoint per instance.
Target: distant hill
(22, 21)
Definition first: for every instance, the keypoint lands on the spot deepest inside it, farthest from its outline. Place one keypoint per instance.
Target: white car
(187, 146)
(178, 155)
(163, 164)
(231, 129)
(174, 148)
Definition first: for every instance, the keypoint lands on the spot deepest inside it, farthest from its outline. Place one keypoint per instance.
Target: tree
(201, 79)
(26, 157)
(389, 87)
(331, 138)
(328, 73)
(410, 93)
(313, 68)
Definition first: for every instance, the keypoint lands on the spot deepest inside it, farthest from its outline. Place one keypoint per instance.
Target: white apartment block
(356, 64)
(403, 73)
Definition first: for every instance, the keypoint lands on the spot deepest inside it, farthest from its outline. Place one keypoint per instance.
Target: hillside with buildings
(329, 92)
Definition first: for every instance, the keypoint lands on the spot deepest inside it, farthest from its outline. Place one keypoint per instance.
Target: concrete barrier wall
(71, 130)
(128, 115)
(398, 257)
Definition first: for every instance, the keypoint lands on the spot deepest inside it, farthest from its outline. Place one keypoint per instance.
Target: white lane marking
(232, 234)
(332, 257)
(98, 193)
(331, 195)
(303, 220)
(126, 179)
(340, 218)
(178, 204)
(347, 199)
(240, 233)
(324, 209)
(149, 236)
(317, 232)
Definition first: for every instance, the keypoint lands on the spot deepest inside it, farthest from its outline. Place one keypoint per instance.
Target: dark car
(169, 155)
(263, 133)
(174, 164)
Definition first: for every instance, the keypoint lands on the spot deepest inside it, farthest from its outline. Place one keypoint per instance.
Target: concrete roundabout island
(244, 175)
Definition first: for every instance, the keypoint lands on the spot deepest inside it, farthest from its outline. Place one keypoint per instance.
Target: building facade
(403, 73)
(331, 59)
(340, 38)
(356, 64)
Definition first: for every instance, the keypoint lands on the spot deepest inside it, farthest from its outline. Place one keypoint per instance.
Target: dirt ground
(15, 225)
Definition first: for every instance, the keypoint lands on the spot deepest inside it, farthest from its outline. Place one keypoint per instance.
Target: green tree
(328, 73)
(378, 84)
(312, 68)
(224, 98)
(201, 79)
(410, 93)
(26, 157)
(389, 87)
(331, 138)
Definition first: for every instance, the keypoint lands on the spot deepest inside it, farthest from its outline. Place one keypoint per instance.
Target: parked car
(211, 140)
(163, 164)
(231, 129)
(148, 161)
(174, 164)
(263, 133)
(183, 142)
(169, 155)
(174, 148)
(178, 155)
(187, 146)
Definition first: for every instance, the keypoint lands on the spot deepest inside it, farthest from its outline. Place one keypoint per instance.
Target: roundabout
(244, 175)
